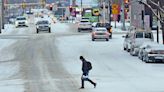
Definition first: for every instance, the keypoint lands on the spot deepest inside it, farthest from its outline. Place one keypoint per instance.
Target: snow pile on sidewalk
(11, 86)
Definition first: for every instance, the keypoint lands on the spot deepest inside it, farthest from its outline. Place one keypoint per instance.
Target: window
(21, 18)
(42, 22)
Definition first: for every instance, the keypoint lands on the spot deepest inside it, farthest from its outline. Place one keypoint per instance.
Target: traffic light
(126, 4)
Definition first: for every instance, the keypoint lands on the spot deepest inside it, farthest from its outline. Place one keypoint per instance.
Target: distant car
(43, 25)
(134, 39)
(21, 21)
(128, 38)
(106, 25)
(100, 33)
(153, 53)
(29, 12)
(12, 19)
(84, 24)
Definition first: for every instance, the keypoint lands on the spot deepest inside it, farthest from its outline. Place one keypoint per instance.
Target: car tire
(93, 39)
(124, 48)
(107, 39)
(79, 29)
(128, 50)
(37, 30)
(49, 30)
(131, 52)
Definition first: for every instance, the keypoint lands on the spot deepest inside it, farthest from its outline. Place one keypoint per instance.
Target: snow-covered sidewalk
(9, 67)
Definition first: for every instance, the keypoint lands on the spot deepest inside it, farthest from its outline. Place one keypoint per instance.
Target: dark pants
(86, 79)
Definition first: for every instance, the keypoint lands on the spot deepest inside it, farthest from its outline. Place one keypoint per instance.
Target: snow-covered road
(44, 62)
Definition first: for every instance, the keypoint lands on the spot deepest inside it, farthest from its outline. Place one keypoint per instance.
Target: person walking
(86, 66)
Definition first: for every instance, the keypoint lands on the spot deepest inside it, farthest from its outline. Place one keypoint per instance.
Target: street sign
(95, 12)
(23, 5)
(115, 9)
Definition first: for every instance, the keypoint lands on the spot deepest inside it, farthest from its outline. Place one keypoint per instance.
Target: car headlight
(16, 23)
(26, 22)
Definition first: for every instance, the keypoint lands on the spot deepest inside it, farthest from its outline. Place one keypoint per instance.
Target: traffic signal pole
(123, 15)
(0, 16)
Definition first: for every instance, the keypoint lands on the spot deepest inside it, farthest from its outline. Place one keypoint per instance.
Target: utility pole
(123, 15)
(109, 9)
(2, 13)
(158, 23)
(0, 16)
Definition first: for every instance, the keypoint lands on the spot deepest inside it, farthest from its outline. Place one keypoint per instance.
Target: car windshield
(22, 18)
(42, 22)
(148, 35)
(139, 35)
(85, 18)
(103, 25)
(100, 30)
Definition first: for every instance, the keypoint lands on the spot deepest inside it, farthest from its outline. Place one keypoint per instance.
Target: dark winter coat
(85, 69)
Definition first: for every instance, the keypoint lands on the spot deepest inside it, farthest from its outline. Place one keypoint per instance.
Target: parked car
(43, 25)
(84, 24)
(21, 21)
(106, 25)
(12, 19)
(153, 53)
(100, 33)
(144, 46)
(134, 39)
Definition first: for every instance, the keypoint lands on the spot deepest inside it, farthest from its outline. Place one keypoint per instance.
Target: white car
(153, 53)
(21, 21)
(134, 39)
(84, 24)
(43, 25)
(100, 33)
(144, 46)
